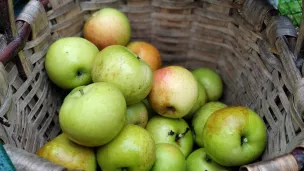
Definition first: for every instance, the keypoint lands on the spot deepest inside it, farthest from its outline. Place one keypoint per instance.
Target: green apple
(62, 151)
(211, 81)
(151, 111)
(172, 131)
(137, 114)
(133, 149)
(174, 91)
(69, 66)
(120, 66)
(201, 100)
(199, 160)
(200, 118)
(169, 158)
(93, 115)
(234, 136)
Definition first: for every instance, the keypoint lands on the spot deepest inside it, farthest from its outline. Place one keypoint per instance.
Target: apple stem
(81, 91)
(179, 136)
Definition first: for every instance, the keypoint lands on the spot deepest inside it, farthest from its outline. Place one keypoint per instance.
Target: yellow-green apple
(201, 100)
(120, 66)
(211, 81)
(199, 160)
(62, 151)
(173, 131)
(200, 118)
(133, 149)
(146, 51)
(93, 115)
(174, 91)
(151, 111)
(168, 158)
(234, 136)
(106, 27)
(69, 66)
(137, 114)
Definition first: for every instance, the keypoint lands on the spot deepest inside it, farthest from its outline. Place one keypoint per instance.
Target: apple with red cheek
(174, 91)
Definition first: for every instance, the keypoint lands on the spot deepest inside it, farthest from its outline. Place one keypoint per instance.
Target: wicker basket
(257, 52)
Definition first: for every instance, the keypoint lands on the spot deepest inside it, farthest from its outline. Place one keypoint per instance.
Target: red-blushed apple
(173, 131)
(201, 100)
(69, 66)
(132, 150)
(137, 114)
(199, 160)
(169, 158)
(93, 115)
(147, 52)
(234, 136)
(200, 118)
(211, 81)
(106, 27)
(118, 65)
(174, 91)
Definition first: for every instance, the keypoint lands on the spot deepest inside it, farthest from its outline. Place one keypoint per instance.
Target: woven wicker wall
(210, 33)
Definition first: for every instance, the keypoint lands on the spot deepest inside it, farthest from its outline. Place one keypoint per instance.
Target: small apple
(169, 158)
(211, 81)
(234, 136)
(174, 91)
(93, 115)
(106, 27)
(62, 151)
(69, 66)
(147, 52)
(172, 131)
(118, 65)
(201, 100)
(200, 118)
(132, 149)
(137, 114)
(199, 160)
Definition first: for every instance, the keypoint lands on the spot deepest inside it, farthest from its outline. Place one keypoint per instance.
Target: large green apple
(172, 131)
(169, 158)
(132, 150)
(234, 136)
(201, 100)
(198, 160)
(93, 115)
(118, 65)
(200, 118)
(174, 91)
(62, 151)
(69, 62)
(211, 81)
(137, 114)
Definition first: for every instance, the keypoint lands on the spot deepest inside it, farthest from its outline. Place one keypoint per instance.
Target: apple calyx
(81, 91)
(124, 169)
(138, 57)
(208, 159)
(244, 140)
(171, 109)
(79, 73)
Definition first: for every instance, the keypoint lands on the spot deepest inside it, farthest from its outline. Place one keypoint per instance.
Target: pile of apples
(125, 111)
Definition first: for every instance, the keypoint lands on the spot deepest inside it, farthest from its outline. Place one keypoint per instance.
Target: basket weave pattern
(257, 64)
